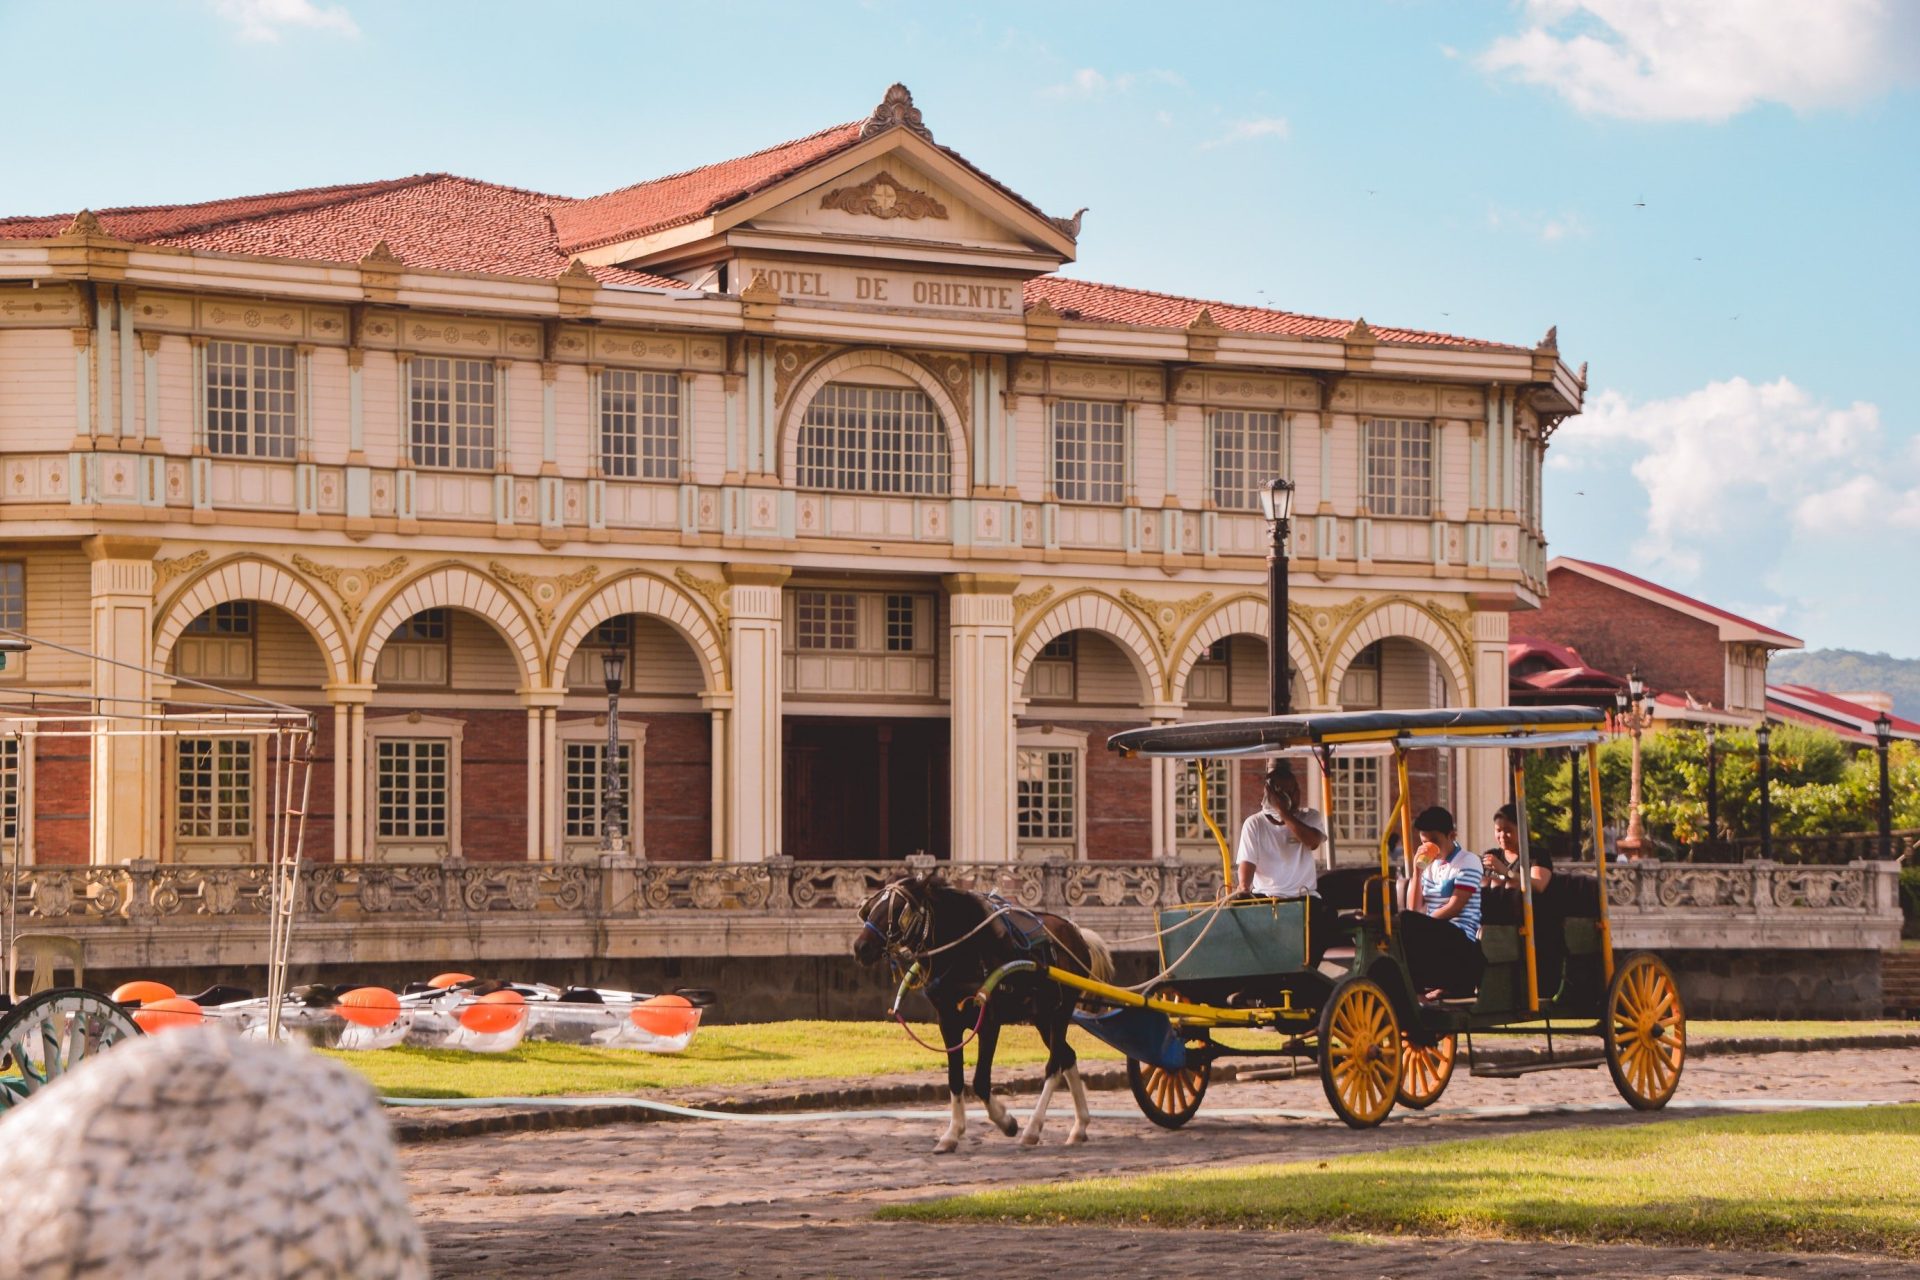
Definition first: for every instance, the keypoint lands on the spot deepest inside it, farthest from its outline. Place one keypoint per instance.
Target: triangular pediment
(890, 198)
(884, 188)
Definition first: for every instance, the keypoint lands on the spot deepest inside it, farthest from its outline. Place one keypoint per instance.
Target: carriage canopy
(1380, 730)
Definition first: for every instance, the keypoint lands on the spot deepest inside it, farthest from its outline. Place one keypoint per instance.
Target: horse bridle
(909, 924)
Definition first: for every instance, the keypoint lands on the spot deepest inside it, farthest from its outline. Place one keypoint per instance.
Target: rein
(981, 997)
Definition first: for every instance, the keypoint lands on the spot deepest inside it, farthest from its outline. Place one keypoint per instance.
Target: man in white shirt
(1277, 844)
(1276, 854)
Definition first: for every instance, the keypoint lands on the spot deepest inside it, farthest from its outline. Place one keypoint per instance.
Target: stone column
(543, 816)
(752, 811)
(125, 823)
(982, 732)
(349, 702)
(718, 705)
(1486, 770)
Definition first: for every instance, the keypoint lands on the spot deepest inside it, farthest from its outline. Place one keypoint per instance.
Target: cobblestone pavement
(792, 1197)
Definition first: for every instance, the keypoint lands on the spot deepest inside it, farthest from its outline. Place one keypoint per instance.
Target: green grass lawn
(1817, 1180)
(747, 1054)
(770, 1052)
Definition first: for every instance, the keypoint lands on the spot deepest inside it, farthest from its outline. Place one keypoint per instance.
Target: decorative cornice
(896, 111)
(349, 583)
(884, 196)
(1165, 616)
(165, 571)
(712, 590)
(544, 593)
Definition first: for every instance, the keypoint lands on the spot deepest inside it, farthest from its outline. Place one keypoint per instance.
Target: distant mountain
(1850, 671)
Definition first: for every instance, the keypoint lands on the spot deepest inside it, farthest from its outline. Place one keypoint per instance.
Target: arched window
(874, 440)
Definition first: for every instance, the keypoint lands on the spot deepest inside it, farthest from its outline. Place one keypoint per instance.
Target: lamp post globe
(1636, 708)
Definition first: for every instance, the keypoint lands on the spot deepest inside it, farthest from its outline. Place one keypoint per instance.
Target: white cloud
(1710, 59)
(1250, 131)
(1088, 82)
(267, 20)
(1549, 228)
(1735, 465)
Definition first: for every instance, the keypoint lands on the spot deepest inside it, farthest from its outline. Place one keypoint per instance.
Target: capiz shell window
(1398, 457)
(451, 407)
(1249, 450)
(874, 440)
(1089, 451)
(639, 425)
(250, 400)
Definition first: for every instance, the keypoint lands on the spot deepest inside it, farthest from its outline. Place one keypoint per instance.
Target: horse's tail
(1099, 956)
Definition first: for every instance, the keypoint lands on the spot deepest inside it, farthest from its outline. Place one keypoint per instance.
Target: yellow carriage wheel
(1646, 1030)
(1171, 1098)
(1425, 1070)
(1360, 1058)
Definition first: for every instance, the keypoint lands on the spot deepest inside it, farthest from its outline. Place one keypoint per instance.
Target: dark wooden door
(865, 789)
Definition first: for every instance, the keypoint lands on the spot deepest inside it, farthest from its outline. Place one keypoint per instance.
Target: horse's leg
(1081, 1113)
(1050, 1018)
(983, 1078)
(952, 1031)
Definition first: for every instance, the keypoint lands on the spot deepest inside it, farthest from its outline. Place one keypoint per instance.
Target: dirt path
(793, 1197)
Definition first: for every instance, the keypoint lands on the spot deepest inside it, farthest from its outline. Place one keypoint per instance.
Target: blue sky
(1714, 201)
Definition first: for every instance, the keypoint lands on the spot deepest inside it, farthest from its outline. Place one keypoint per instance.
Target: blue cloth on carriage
(1025, 927)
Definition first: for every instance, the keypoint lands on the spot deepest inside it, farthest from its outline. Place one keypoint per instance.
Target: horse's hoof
(1076, 1138)
(944, 1147)
(1010, 1127)
(1031, 1138)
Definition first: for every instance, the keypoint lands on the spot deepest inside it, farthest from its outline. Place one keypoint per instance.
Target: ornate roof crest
(1360, 332)
(1070, 225)
(85, 224)
(884, 196)
(1552, 341)
(896, 111)
(381, 252)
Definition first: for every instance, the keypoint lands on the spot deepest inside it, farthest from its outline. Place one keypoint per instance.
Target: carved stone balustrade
(170, 914)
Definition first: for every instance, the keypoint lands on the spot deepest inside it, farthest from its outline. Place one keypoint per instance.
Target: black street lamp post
(1883, 738)
(1713, 789)
(1764, 736)
(613, 827)
(1276, 500)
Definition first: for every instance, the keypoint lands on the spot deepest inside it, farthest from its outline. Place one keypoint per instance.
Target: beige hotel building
(895, 522)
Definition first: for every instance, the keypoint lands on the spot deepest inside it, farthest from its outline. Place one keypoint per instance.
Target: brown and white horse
(958, 939)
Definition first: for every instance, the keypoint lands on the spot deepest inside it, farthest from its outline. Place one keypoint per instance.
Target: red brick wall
(493, 786)
(1119, 800)
(677, 781)
(62, 788)
(1617, 631)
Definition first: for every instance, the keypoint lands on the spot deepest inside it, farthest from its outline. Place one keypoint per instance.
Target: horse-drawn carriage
(1379, 1030)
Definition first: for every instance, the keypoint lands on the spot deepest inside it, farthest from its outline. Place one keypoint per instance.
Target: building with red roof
(1851, 715)
(1704, 663)
(892, 521)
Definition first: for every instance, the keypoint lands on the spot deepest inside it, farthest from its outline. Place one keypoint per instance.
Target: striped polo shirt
(1443, 876)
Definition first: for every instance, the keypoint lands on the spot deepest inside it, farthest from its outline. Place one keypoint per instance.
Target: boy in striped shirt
(1440, 927)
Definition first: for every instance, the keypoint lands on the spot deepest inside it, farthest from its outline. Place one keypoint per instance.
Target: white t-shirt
(1282, 866)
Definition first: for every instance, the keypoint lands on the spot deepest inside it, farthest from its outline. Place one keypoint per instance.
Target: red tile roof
(1804, 703)
(1116, 304)
(685, 197)
(434, 220)
(1641, 585)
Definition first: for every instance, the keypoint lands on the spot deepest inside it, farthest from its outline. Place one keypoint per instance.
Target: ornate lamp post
(1763, 736)
(1276, 500)
(1883, 738)
(1633, 708)
(613, 778)
(1713, 788)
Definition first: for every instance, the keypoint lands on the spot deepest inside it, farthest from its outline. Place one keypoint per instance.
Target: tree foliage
(1819, 785)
